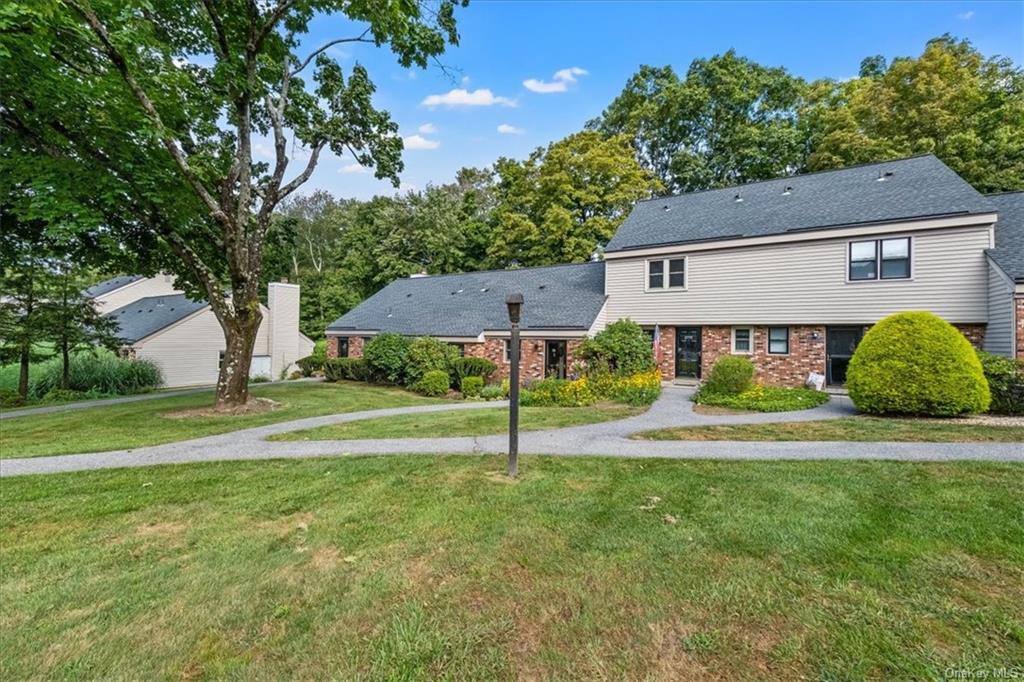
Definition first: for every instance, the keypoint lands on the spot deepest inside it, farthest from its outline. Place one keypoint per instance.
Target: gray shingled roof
(555, 297)
(918, 187)
(146, 316)
(1009, 250)
(106, 286)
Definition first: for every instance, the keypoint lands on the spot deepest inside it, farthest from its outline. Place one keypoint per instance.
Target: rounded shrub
(471, 386)
(352, 369)
(427, 354)
(387, 356)
(310, 364)
(433, 383)
(492, 392)
(621, 348)
(916, 363)
(469, 366)
(1005, 382)
(730, 375)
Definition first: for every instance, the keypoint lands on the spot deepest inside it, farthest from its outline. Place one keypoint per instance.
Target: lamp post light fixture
(515, 306)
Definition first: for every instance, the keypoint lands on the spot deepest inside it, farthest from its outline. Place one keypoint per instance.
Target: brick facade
(1019, 303)
(667, 353)
(806, 354)
(531, 357)
(975, 333)
(355, 346)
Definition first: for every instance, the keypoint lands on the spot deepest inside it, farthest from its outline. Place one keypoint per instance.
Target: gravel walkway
(605, 439)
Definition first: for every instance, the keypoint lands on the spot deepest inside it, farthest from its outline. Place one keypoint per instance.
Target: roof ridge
(483, 272)
(790, 177)
(1004, 193)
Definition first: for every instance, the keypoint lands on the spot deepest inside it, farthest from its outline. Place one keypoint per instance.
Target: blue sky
(545, 68)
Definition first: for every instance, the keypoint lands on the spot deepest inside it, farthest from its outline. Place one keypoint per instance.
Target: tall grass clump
(102, 373)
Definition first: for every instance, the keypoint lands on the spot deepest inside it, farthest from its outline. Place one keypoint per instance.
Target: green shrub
(64, 395)
(352, 369)
(100, 372)
(462, 367)
(319, 350)
(427, 354)
(492, 392)
(637, 390)
(433, 383)
(730, 375)
(1005, 382)
(471, 386)
(621, 348)
(310, 364)
(559, 393)
(760, 398)
(259, 379)
(916, 363)
(388, 356)
(9, 398)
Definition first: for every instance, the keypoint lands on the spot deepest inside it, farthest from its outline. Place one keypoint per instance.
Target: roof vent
(738, 199)
(542, 286)
(483, 290)
(666, 207)
(787, 192)
(882, 177)
(408, 295)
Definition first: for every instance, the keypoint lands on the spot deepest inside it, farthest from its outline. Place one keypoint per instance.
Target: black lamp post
(515, 306)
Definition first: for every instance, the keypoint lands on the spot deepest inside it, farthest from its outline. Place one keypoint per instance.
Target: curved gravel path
(604, 439)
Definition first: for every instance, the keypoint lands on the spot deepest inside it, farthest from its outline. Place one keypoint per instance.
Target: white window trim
(750, 351)
(506, 346)
(664, 273)
(878, 258)
(768, 339)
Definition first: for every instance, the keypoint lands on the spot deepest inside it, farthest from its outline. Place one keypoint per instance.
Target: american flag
(656, 343)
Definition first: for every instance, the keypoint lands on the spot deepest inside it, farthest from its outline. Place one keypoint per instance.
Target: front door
(688, 352)
(554, 359)
(840, 342)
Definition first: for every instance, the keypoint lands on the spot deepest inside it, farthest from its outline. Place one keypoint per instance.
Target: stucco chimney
(283, 302)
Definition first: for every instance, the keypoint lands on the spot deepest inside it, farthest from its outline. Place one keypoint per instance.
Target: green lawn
(115, 427)
(866, 429)
(437, 567)
(464, 423)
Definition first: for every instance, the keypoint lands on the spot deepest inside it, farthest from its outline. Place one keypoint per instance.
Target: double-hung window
(778, 340)
(342, 346)
(742, 340)
(880, 259)
(508, 351)
(666, 273)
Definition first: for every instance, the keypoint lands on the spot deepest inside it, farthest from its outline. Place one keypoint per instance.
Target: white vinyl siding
(999, 332)
(806, 283)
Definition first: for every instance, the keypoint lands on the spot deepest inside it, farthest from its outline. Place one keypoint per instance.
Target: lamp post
(515, 306)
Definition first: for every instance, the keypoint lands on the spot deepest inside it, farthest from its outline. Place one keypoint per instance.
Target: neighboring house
(158, 322)
(789, 272)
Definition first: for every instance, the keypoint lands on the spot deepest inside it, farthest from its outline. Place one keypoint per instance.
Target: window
(666, 273)
(460, 347)
(656, 274)
(342, 346)
(742, 340)
(508, 351)
(778, 340)
(880, 259)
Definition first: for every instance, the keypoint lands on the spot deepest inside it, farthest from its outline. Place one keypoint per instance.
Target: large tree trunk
(24, 358)
(240, 338)
(65, 356)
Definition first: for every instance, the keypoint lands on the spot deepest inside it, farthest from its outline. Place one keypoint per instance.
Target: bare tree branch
(361, 38)
(304, 175)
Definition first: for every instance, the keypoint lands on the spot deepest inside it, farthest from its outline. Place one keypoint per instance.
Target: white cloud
(506, 129)
(559, 83)
(966, 16)
(460, 97)
(354, 168)
(427, 128)
(419, 142)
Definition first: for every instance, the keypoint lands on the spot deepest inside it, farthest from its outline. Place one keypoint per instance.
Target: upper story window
(880, 259)
(666, 273)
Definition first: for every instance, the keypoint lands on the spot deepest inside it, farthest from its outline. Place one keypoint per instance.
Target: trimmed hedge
(1005, 382)
(433, 383)
(471, 386)
(388, 357)
(730, 375)
(427, 354)
(310, 364)
(352, 369)
(916, 363)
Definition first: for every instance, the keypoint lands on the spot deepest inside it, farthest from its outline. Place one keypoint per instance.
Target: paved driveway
(610, 439)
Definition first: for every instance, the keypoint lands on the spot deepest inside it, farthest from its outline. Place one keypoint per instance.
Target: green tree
(142, 124)
(73, 322)
(729, 121)
(951, 101)
(563, 203)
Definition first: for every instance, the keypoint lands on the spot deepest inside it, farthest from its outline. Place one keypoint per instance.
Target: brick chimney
(283, 325)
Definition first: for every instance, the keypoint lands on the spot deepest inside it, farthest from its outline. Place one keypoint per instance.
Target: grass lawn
(765, 399)
(437, 567)
(115, 427)
(464, 423)
(867, 429)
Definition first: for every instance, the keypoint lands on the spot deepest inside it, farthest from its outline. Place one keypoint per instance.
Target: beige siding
(805, 283)
(999, 333)
(161, 285)
(283, 300)
(188, 353)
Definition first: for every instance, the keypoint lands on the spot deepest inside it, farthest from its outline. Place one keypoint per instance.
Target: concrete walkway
(104, 402)
(609, 439)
